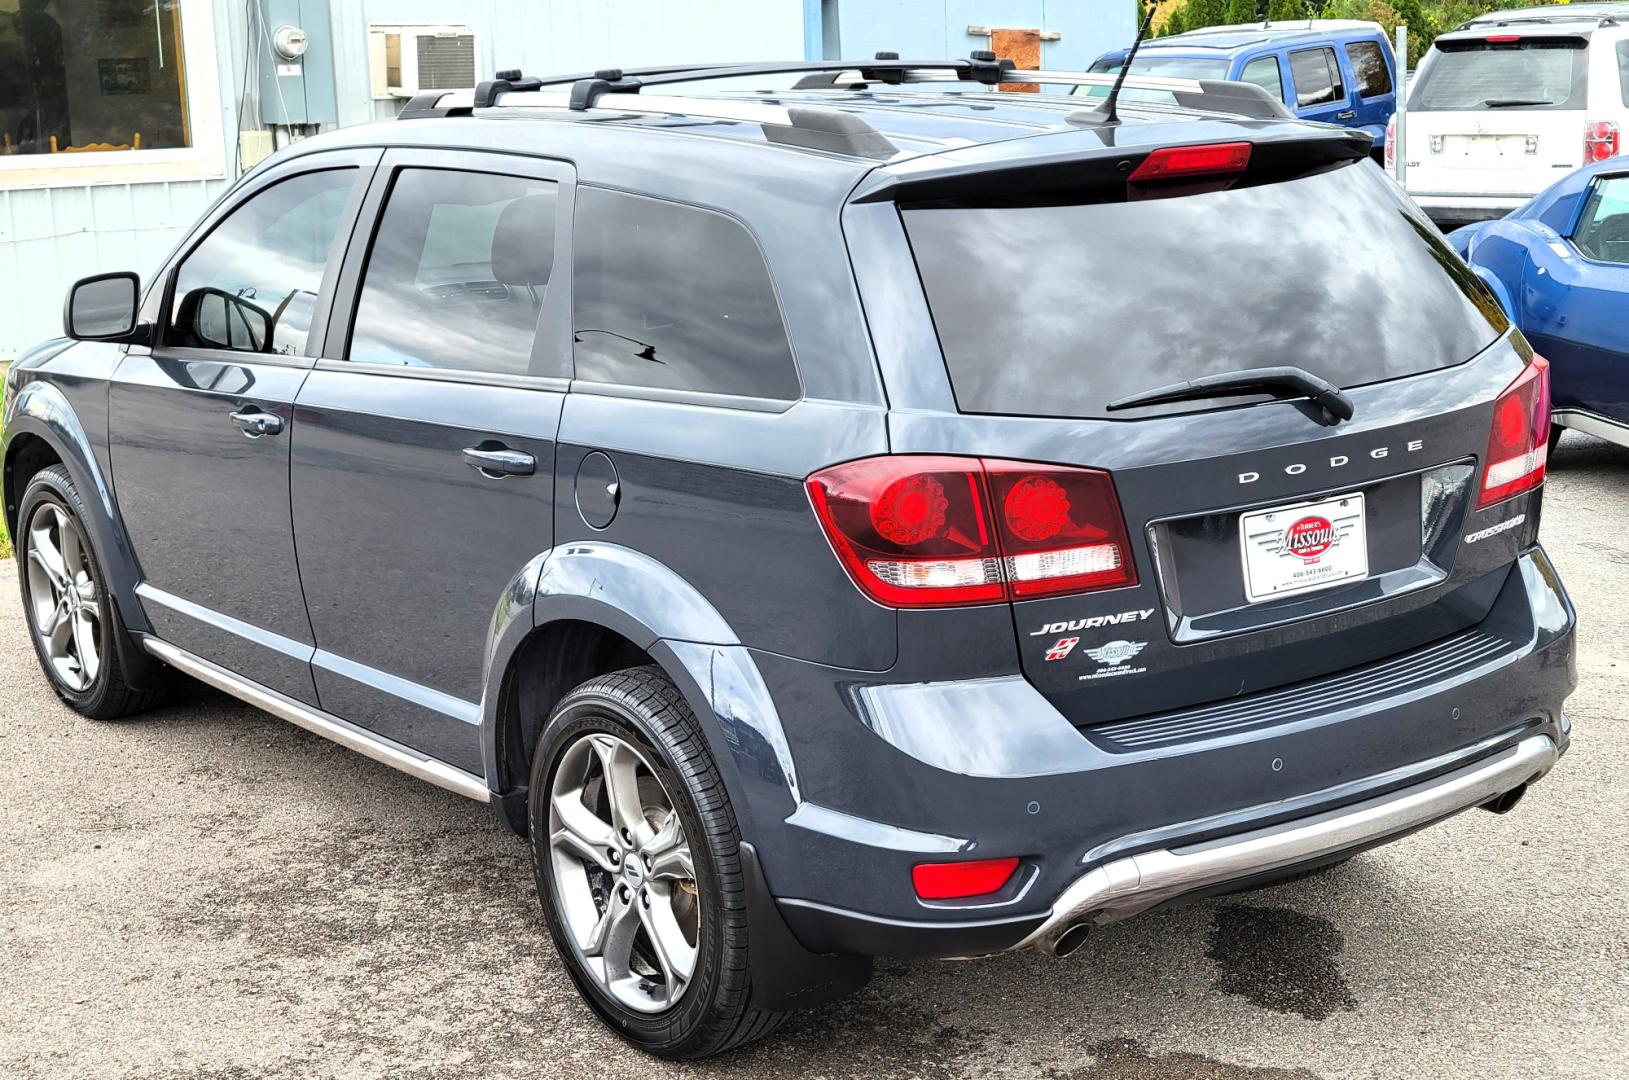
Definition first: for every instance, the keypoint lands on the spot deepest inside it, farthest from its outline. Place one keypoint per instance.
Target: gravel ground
(207, 892)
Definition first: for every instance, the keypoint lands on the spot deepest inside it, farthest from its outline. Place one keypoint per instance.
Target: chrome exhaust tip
(1071, 939)
(1504, 804)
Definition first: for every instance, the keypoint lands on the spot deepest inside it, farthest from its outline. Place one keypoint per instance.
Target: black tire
(107, 696)
(1555, 437)
(716, 1011)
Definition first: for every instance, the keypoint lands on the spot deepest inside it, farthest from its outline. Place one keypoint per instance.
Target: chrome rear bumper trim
(346, 734)
(1124, 887)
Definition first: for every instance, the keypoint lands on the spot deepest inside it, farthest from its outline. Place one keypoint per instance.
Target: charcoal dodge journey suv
(872, 516)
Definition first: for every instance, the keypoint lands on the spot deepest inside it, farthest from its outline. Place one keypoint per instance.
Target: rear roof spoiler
(978, 175)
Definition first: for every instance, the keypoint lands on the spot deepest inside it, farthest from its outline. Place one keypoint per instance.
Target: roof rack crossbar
(983, 67)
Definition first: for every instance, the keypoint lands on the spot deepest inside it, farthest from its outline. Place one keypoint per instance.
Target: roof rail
(429, 104)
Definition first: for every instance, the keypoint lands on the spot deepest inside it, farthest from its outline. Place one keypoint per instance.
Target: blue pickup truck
(1338, 71)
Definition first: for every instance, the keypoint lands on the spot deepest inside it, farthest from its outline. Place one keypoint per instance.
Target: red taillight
(1061, 529)
(957, 880)
(1600, 141)
(1173, 162)
(1391, 143)
(1504, 39)
(1520, 439)
(921, 531)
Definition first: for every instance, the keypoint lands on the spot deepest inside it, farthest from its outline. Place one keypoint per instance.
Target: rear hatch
(1498, 112)
(1269, 544)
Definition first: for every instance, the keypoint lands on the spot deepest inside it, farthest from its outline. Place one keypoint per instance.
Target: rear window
(1533, 73)
(1168, 67)
(1057, 310)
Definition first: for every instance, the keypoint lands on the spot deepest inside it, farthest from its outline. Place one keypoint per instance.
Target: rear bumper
(1104, 835)
(1127, 886)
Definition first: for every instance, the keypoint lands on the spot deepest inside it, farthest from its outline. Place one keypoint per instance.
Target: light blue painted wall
(918, 30)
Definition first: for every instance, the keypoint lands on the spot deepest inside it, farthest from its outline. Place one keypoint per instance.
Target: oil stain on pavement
(1280, 960)
(1125, 1059)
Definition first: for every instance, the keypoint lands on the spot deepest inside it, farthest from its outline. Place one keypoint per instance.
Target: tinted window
(1623, 69)
(1263, 71)
(1165, 67)
(1369, 68)
(252, 285)
(1135, 295)
(1603, 228)
(1534, 73)
(1317, 77)
(457, 273)
(674, 297)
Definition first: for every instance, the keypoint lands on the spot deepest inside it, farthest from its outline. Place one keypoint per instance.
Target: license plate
(1303, 547)
(1486, 147)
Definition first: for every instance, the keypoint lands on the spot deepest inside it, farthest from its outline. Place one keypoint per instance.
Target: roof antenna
(1108, 113)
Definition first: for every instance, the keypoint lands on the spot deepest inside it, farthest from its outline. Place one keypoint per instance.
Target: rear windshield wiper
(1514, 103)
(1287, 381)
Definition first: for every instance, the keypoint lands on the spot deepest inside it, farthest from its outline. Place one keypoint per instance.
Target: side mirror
(210, 318)
(103, 308)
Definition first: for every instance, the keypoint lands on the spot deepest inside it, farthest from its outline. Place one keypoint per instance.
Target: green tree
(1286, 9)
(1176, 21)
(1202, 13)
(1242, 11)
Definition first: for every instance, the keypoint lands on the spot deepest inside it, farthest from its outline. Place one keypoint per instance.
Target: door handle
(1349, 114)
(500, 461)
(256, 423)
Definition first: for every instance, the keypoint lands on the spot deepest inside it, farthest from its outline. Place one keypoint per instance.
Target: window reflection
(252, 285)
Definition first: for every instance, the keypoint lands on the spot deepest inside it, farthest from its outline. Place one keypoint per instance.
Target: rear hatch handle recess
(1335, 405)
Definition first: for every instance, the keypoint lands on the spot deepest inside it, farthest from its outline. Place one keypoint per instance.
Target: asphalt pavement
(208, 892)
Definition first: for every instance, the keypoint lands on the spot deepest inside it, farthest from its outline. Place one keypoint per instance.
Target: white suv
(1510, 102)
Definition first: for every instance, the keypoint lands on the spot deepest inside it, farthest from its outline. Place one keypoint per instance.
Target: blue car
(1560, 266)
(1337, 71)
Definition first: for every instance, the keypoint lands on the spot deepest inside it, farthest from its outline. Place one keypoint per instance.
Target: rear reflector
(931, 531)
(956, 880)
(1174, 162)
(1520, 440)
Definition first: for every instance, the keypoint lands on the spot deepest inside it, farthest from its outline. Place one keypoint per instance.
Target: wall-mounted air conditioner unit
(405, 59)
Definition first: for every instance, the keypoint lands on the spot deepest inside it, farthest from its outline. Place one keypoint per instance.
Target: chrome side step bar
(385, 751)
(1124, 887)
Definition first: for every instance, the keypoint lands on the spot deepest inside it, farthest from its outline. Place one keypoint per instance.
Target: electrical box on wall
(407, 58)
(295, 42)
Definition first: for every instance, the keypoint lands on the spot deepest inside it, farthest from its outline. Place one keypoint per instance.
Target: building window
(79, 75)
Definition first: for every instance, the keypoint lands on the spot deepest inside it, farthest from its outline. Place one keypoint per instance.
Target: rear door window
(1263, 71)
(1369, 68)
(1530, 73)
(1057, 310)
(674, 297)
(1623, 69)
(1317, 77)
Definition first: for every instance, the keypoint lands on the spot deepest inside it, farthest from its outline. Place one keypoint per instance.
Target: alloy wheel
(623, 878)
(64, 600)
